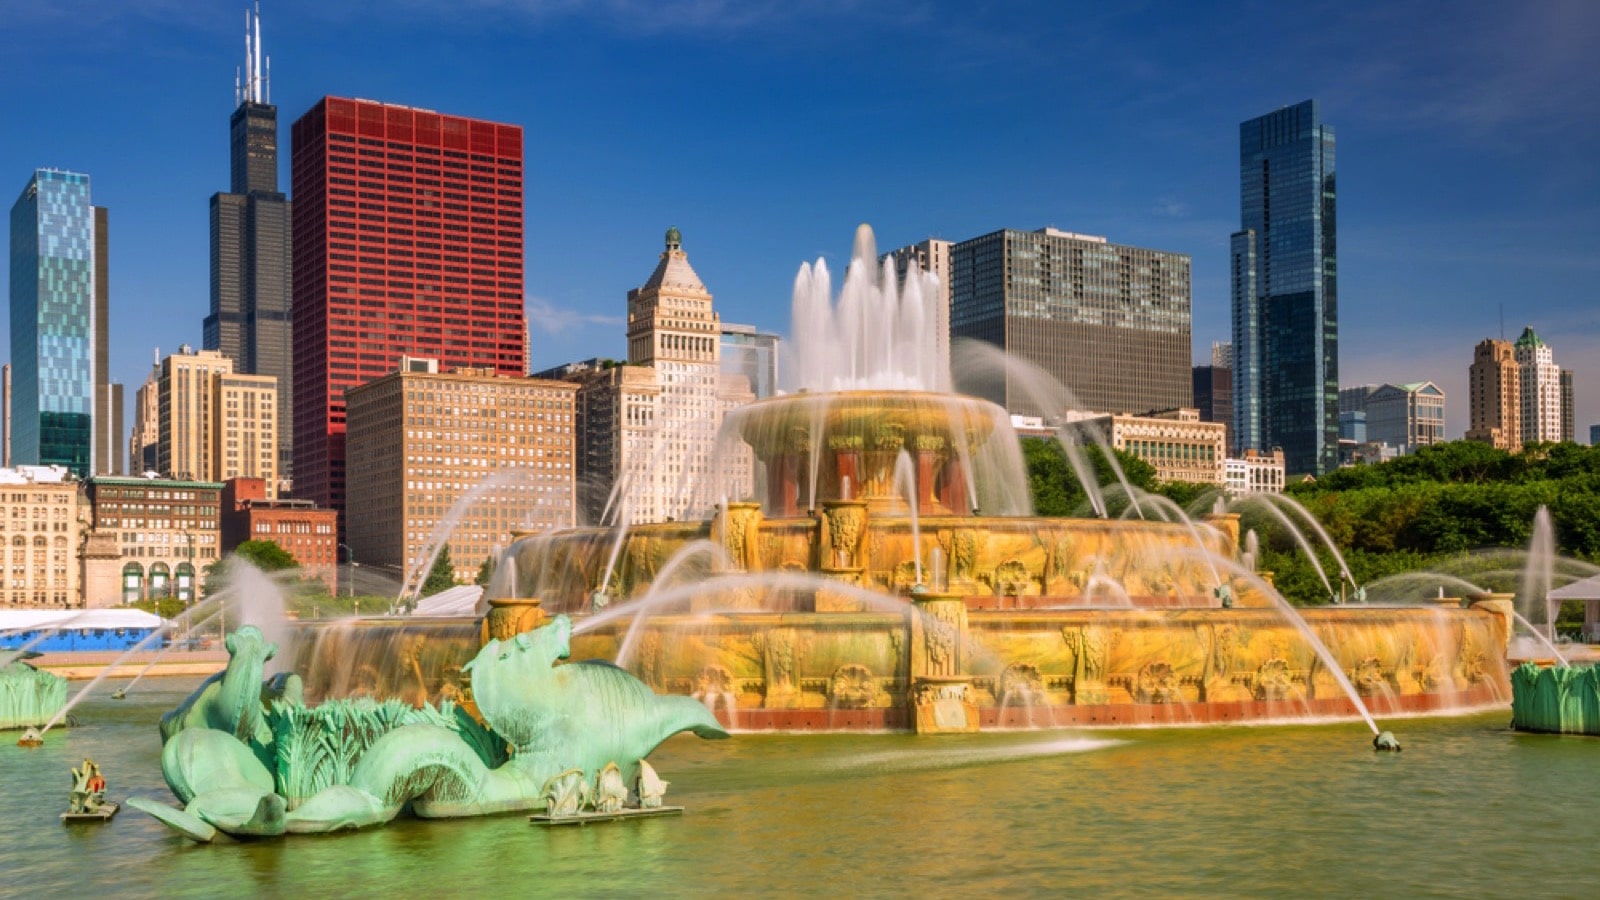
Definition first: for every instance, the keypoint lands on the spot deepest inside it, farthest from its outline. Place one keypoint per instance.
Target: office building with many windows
(1285, 290)
(1110, 322)
(53, 355)
(251, 281)
(407, 239)
(161, 534)
(468, 456)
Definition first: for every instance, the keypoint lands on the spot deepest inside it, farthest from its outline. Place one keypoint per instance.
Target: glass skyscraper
(52, 335)
(1285, 291)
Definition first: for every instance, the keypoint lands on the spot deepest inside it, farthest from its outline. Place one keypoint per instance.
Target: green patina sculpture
(271, 765)
(29, 697)
(1556, 699)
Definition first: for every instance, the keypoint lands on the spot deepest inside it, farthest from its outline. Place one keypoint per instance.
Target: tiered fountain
(841, 596)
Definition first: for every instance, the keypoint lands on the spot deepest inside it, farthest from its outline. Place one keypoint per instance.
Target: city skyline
(792, 127)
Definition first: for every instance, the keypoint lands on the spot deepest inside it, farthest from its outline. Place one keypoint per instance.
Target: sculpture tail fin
(689, 714)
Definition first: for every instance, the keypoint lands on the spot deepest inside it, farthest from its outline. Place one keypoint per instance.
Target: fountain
(869, 471)
(29, 697)
(1549, 695)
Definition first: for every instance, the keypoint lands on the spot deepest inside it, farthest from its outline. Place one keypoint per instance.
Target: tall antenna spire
(253, 87)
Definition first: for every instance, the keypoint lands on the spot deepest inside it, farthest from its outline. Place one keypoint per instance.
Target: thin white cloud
(557, 320)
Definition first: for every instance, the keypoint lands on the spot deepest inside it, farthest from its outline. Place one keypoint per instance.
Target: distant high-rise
(933, 256)
(1213, 397)
(1539, 381)
(1569, 419)
(407, 242)
(52, 323)
(1403, 416)
(215, 424)
(251, 285)
(1110, 322)
(752, 354)
(107, 394)
(1494, 389)
(1285, 290)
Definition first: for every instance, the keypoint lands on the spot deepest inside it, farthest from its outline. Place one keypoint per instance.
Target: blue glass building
(1285, 291)
(52, 338)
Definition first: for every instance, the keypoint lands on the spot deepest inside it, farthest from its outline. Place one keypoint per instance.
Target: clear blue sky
(1468, 144)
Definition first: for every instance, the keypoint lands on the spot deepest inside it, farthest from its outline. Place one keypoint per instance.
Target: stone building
(165, 533)
(41, 531)
(1494, 388)
(215, 424)
(1175, 442)
(467, 456)
(1254, 473)
(305, 532)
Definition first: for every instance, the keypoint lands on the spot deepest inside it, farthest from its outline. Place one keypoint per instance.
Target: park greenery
(1460, 508)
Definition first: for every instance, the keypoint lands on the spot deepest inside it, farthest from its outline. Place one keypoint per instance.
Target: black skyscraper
(251, 281)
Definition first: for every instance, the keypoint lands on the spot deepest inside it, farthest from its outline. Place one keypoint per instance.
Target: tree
(485, 572)
(266, 556)
(442, 576)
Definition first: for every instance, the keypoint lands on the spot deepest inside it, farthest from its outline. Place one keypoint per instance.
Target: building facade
(1569, 418)
(752, 355)
(1494, 390)
(251, 279)
(932, 256)
(107, 394)
(52, 323)
(165, 533)
(467, 456)
(1254, 472)
(1213, 397)
(214, 424)
(1539, 388)
(1110, 322)
(41, 532)
(1285, 290)
(407, 241)
(1176, 443)
(1405, 416)
(305, 532)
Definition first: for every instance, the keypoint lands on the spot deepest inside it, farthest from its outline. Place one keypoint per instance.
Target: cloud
(557, 320)
(1169, 207)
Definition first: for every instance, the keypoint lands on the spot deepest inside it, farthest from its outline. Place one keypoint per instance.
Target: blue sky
(1468, 141)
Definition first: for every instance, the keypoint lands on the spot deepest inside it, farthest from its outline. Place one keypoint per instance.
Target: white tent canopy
(38, 619)
(1587, 590)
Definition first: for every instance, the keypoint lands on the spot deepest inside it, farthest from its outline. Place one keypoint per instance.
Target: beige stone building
(215, 424)
(1494, 388)
(1255, 473)
(420, 441)
(165, 533)
(651, 424)
(1175, 442)
(41, 529)
(146, 434)
(932, 256)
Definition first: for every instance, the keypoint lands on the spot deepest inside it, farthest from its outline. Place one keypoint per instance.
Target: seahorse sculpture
(590, 718)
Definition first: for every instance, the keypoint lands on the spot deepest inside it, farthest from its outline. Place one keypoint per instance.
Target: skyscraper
(933, 256)
(1569, 419)
(107, 394)
(251, 286)
(1494, 389)
(752, 354)
(407, 242)
(1539, 380)
(1111, 322)
(1285, 290)
(52, 323)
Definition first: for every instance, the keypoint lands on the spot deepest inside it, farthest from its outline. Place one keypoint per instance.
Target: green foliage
(319, 604)
(1057, 492)
(266, 556)
(485, 572)
(165, 607)
(442, 576)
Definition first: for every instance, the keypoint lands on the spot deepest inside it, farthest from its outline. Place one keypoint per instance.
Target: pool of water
(1469, 809)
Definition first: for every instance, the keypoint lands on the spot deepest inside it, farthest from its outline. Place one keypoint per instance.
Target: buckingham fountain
(868, 560)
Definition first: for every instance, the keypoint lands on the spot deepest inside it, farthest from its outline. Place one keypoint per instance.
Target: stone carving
(1011, 578)
(928, 693)
(543, 720)
(845, 525)
(1430, 674)
(1158, 683)
(1091, 650)
(1272, 680)
(650, 659)
(1369, 679)
(779, 650)
(740, 526)
(853, 686)
(964, 554)
(941, 634)
(1224, 650)
(1021, 685)
(889, 436)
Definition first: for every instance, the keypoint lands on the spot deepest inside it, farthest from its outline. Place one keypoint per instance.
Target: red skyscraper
(407, 241)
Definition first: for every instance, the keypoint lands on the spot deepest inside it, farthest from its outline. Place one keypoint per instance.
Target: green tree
(266, 556)
(442, 576)
(485, 572)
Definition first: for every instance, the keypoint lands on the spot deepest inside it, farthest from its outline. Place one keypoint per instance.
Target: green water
(1469, 809)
